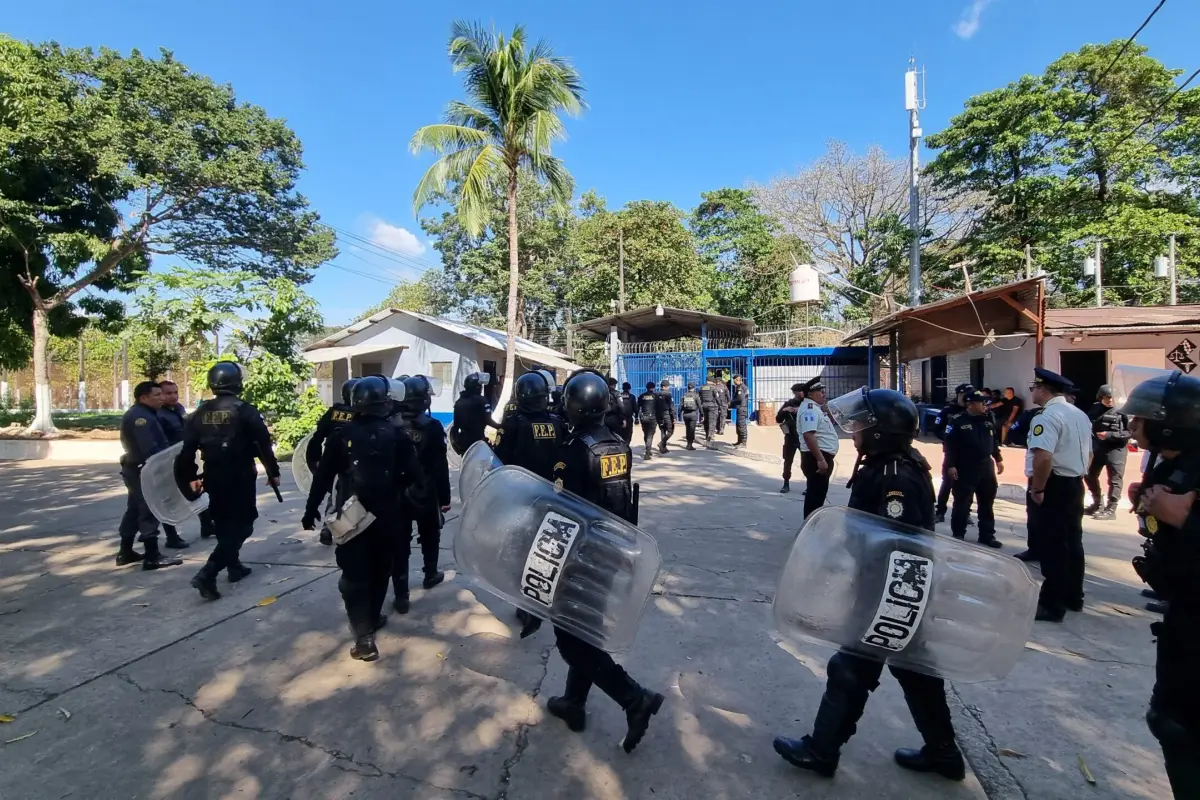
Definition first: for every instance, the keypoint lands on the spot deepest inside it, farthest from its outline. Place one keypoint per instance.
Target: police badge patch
(895, 505)
(1037, 430)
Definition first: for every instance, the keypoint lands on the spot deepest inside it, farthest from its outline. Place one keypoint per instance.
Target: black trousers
(627, 431)
(818, 484)
(943, 498)
(709, 414)
(743, 424)
(366, 564)
(666, 427)
(722, 415)
(137, 521)
(791, 444)
(851, 679)
(649, 426)
(587, 665)
(429, 537)
(1058, 521)
(206, 523)
(1113, 460)
(689, 426)
(231, 534)
(1174, 715)
(971, 486)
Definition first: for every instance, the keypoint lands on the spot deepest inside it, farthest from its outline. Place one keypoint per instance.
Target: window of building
(370, 368)
(441, 372)
(977, 373)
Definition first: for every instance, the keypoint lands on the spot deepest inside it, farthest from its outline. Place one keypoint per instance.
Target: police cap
(814, 385)
(977, 396)
(1051, 380)
(964, 388)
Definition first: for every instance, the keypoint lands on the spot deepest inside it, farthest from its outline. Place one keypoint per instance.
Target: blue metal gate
(678, 368)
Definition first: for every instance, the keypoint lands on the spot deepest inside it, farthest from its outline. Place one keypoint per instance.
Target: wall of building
(1008, 362)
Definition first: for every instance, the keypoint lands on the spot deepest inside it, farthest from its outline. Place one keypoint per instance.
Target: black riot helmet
(1170, 406)
(1104, 391)
(532, 393)
(585, 398)
(225, 377)
(474, 383)
(369, 397)
(348, 389)
(885, 419)
(418, 394)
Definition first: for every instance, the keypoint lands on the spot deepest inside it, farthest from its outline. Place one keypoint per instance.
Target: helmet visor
(484, 378)
(1146, 403)
(395, 389)
(851, 411)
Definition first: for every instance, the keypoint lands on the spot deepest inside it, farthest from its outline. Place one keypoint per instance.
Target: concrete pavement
(133, 686)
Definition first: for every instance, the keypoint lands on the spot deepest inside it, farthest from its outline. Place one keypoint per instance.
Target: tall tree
(427, 295)
(107, 160)
(516, 96)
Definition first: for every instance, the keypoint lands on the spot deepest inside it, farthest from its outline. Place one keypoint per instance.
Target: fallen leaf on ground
(266, 601)
(66, 715)
(439, 655)
(281, 580)
(1004, 751)
(1083, 767)
(19, 738)
(7, 718)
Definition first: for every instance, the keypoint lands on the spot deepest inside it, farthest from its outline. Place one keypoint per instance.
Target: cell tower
(914, 102)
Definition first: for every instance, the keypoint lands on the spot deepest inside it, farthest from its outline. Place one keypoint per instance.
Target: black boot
(400, 584)
(940, 517)
(570, 712)
(785, 488)
(1094, 507)
(432, 579)
(991, 541)
(637, 717)
(155, 559)
(529, 623)
(1149, 594)
(1044, 614)
(176, 542)
(127, 555)
(326, 537)
(1026, 556)
(799, 753)
(1108, 512)
(206, 582)
(944, 759)
(364, 648)
(1157, 606)
(237, 570)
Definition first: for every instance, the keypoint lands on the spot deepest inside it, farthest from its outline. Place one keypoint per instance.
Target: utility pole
(1028, 262)
(82, 379)
(621, 265)
(1171, 267)
(570, 336)
(1099, 287)
(913, 103)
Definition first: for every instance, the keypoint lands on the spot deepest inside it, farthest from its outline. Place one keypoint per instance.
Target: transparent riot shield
(477, 462)
(301, 474)
(452, 458)
(557, 556)
(1126, 377)
(162, 494)
(899, 594)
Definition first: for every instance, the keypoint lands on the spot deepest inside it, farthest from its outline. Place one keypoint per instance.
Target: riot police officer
(628, 410)
(229, 433)
(141, 436)
(785, 417)
(689, 412)
(595, 464)
(971, 445)
(648, 415)
(430, 499)
(614, 418)
(1165, 418)
(172, 416)
(332, 420)
(472, 413)
(664, 412)
(949, 411)
(741, 404)
(891, 481)
(1110, 435)
(375, 462)
(708, 407)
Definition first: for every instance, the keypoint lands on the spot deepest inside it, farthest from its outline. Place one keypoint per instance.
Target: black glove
(309, 521)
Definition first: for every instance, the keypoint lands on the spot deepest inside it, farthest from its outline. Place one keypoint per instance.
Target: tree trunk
(43, 421)
(514, 273)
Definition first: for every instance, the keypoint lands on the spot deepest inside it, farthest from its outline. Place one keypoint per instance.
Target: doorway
(492, 390)
(937, 380)
(1088, 370)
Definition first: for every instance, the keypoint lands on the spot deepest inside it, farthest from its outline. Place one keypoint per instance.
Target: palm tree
(515, 96)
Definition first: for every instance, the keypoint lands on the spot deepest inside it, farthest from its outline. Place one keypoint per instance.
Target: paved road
(169, 696)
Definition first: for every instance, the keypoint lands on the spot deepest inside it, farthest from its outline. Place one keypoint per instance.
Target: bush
(289, 430)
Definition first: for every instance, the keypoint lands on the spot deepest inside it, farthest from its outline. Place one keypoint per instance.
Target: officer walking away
(952, 409)
(971, 445)
(531, 439)
(818, 445)
(722, 403)
(689, 412)
(596, 465)
(614, 418)
(171, 415)
(788, 420)
(429, 499)
(141, 436)
(472, 413)
(375, 462)
(664, 412)
(628, 410)
(741, 404)
(648, 414)
(1060, 447)
(1164, 414)
(708, 407)
(331, 421)
(229, 433)
(1110, 437)
(892, 481)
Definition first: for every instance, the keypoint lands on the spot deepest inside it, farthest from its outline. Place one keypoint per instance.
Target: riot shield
(895, 593)
(162, 494)
(452, 458)
(557, 556)
(477, 462)
(1126, 377)
(301, 474)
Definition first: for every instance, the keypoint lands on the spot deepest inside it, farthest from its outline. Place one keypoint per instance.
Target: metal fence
(678, 368)
(774, 376)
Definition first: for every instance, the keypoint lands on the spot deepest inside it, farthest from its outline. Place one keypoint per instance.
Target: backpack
(689, 402)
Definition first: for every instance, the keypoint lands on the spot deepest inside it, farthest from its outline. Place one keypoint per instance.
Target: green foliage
(428, 295)
(291, 429)
(292, 316)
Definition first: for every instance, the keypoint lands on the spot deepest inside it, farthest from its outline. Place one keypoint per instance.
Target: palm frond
(541, 130)
(558, 180)
(476, 186)
(466, 115)
(444, 137)
(470, 44)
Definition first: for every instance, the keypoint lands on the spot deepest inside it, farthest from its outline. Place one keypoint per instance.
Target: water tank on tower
(804, 284)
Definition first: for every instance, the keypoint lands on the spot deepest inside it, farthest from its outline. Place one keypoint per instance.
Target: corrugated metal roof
(647, 325)
(1026, 290)
(1064, 320)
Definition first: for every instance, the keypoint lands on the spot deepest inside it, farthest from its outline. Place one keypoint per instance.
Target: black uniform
(628, 404)
(229, 433)
(722, 406)
(172, 419)
(689, 412)
(424, 501)
(949, 411)
(471, 413)
(664, 412)
(648, 414)
(708, 408)
(741, 402)
(615, 417)
(374, 460)
(791, 435)
(971, 444)
(531, 440)
(141, 436)
(1107, 453)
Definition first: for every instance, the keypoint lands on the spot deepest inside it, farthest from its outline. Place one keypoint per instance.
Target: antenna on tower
(914, 102)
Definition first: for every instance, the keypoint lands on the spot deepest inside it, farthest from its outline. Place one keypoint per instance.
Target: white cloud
(394, 237)
(968, 22)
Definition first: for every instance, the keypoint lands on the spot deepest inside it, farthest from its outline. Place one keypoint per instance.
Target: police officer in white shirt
(1060, 449)
(818, 445)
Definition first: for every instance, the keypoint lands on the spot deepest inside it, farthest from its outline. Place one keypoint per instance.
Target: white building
(395, 342)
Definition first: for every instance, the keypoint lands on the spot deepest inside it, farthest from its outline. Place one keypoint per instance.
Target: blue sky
(684, 97)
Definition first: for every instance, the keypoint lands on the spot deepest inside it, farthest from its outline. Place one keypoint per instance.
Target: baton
(258, 447)
(637, 497)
